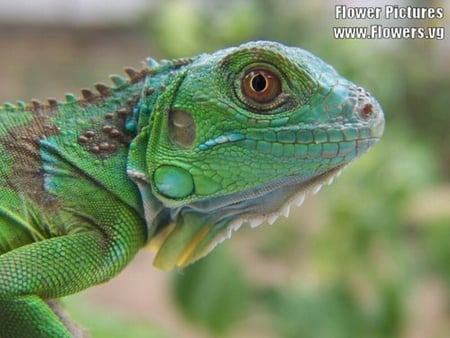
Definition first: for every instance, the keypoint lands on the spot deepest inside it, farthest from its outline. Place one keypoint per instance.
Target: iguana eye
(261, 85)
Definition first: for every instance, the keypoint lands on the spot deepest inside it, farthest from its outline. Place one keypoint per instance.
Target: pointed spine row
(88, 95)
(102, 90)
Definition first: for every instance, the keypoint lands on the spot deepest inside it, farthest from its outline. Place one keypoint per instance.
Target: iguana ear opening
(181, 128)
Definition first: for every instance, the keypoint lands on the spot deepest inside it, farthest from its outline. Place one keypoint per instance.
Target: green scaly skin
(179, 156)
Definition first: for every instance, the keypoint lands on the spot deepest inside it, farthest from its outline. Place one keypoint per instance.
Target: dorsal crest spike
(21, 104)
(88, 94)
(181, 62)
(103, 89)
(118, 80)
(52, 102)
(132, 73)
(151, 63)
(36, 104)
(9, 105)
(70, 98)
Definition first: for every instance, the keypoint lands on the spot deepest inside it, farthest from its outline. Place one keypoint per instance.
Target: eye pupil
(260, 86)
(259, 83)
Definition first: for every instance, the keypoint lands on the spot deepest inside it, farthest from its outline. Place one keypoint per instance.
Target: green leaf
(213, 292)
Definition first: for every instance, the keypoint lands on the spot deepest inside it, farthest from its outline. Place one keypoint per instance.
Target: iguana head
(239, 136)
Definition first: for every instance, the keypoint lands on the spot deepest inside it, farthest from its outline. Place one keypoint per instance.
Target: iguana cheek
(205, 185)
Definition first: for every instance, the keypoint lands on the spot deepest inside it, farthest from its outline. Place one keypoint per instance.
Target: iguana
(179, 155)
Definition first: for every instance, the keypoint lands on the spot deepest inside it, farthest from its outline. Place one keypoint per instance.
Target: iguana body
(179, 155)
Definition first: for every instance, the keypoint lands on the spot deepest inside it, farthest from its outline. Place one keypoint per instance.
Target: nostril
(367, 110)
(365, 107)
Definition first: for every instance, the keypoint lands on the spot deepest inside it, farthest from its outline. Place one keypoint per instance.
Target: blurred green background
(367, 257)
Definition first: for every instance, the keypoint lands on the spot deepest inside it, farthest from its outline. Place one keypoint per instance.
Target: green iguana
(179, 155)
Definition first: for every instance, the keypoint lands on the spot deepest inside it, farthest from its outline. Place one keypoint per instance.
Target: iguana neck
(96, 127)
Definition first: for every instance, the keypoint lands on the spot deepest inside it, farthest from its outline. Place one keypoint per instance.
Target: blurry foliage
(322, 313)
(436, 244)
(103, 323)
(213, 293)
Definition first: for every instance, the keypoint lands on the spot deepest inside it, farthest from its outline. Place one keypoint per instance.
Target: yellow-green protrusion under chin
(178, 245)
